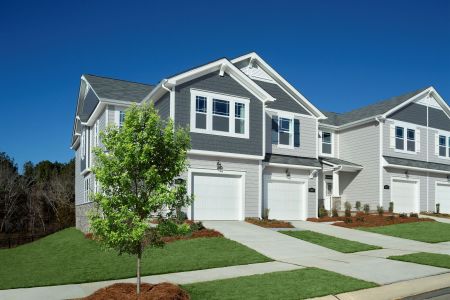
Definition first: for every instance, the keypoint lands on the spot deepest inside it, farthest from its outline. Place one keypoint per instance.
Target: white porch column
(336, 184)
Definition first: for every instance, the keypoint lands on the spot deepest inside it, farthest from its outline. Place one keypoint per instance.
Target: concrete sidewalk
(73, 291)
(280, 247)
(385, 241)
(442, 220)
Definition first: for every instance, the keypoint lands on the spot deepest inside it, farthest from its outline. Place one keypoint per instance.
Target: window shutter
(417, 140)
(436, 144)
(275, 129)
(392, 136)
(296, 133)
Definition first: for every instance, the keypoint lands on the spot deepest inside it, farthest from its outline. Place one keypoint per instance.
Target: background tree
(136, 171)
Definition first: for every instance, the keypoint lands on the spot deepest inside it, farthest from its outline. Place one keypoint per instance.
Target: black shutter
(275, 130)
(296, 133)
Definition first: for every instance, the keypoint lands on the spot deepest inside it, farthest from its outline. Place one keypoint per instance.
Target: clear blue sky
(340, 54)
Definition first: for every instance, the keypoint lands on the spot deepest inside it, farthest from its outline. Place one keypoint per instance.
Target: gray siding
(78, 178)
(214, 83)
(433, 179)
(283, 100)
(438, 119)
(90, 102)
(251, 169)
(360, 145)
(308, 138)
(412, 113)
(432, 157)
(163, 106)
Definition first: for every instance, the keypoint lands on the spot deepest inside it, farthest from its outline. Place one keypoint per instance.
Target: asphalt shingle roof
(372, 110)
(417, 163)
(337, 161)
(117, 89)
(292, 160)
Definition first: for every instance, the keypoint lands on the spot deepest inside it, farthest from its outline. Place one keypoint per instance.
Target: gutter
(416, 169)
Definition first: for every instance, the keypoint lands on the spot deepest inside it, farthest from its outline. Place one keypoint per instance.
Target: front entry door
(328, 194)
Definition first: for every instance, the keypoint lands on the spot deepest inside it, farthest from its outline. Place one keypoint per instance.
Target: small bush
(359, 218)
(358, 205)
(197, 226)
(391, 207)
(438, 208)
(348, 209)
(334, 212)
(390, 218)
(380, 210)
(413, 215)
(181, 216)
(366, 209)
(348, 220)
(184, 229)
(265, 215)
(323, 212)
(167, 228)
(402, 215)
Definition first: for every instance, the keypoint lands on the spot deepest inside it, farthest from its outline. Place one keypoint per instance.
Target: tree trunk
(138, 272)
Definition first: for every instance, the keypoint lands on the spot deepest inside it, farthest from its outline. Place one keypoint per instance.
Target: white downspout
(381, 120)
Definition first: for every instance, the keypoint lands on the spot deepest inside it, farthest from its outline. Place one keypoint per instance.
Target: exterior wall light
(288, 173)
(219, 166)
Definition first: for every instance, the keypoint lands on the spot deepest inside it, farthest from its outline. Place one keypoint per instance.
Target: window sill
(220, 133)
(406, 152)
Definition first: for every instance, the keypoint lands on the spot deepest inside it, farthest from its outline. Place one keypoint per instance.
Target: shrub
(181, 216)
(366, 209)
(358, 205)
(413, 215)
(323, 212)
(183, 229)
(403, 215)
(380, 210)
(334, 212)
(265, 215)
(348, 207)
(348, 220)
(197, 226)
(359, 218)
(390, 218)
(167, 228)
(391, 207)
(438, 208)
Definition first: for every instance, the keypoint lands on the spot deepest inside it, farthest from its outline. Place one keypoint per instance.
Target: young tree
(136, 170)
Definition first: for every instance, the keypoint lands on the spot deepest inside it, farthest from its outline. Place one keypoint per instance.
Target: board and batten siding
(360, 145)
(308, 138)
(215, 83)
(251, 169)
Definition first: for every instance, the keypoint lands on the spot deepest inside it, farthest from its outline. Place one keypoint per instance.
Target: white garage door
(217, 197)
(443, 197)
(405, 196)
(285, 199)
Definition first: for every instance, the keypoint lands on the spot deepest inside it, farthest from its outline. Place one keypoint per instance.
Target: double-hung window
(87, 189)
(327, 143)
(443, 145)
(285, 132)
(406, 139)
(411, 140)
(219, 114)
(121, 118)
(399, 138)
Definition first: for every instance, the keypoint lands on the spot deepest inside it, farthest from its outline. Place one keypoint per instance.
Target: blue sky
(340, 54)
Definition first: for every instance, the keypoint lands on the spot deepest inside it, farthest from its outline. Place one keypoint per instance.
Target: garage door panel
(285, 199)
(443, 197)
(217, 197)
(405, 196)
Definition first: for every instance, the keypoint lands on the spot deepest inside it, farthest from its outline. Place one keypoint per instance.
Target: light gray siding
(163, 106)
(220, 84)
(360, 145)
(78, 178)
(432, 156)
(433, 179)
(252, 179)
(308, 138)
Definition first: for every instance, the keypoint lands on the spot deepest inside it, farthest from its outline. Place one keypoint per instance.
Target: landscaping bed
(298, 284)
(127, 291)
(430, 259)
(331, 242)
(267, 223)
(447, 216)
(371, 220)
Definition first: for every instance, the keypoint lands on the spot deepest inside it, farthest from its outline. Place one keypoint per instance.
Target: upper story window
(327, 143)
(405, 139)
(219, 114)
(285, 131)
(87, 189)
(443, 149)
(121, 118)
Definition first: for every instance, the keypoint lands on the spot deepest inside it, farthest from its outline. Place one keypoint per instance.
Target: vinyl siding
(432, 157)
(78, 178)
(433, 179)
(297, 174)
(163, 106)
(251, 169)
(412, 113)
(438, 119)
(307, 138)
(360, 145)
(214, 83)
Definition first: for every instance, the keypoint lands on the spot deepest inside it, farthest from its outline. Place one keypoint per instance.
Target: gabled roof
(372, 110)
(117, 89)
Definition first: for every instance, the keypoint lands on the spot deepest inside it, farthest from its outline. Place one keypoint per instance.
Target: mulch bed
(326, 219)
(127, 291)
(376, 220)
(269, 223)
(203, 233)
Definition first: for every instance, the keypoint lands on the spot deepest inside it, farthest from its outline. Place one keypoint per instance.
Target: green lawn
(341, 245)
(298, 284)
(431, 259)
(68, 257)
(429, 232)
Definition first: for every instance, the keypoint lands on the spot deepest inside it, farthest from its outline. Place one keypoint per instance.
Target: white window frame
(289, 117)
(88, 147)
(87, 189)
(209, 113)
(407, 127)
(83, 144)
(117, 114)
(447, 145)
(321, 142)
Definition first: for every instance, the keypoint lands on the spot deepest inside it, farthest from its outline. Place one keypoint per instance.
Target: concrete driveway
(283, 248)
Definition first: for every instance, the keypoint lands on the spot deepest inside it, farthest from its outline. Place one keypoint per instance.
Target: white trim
(343, 167)
(416, 181)
(415, 169)
(321, 141)
(436, 183)
(225, 154)
(289, 166)
(281, 81)
(172, 105)
(193, 171)
(260, 184)
(291, 118)
(406, 126)
(232, 100)
(278, 111)
(381, 123)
